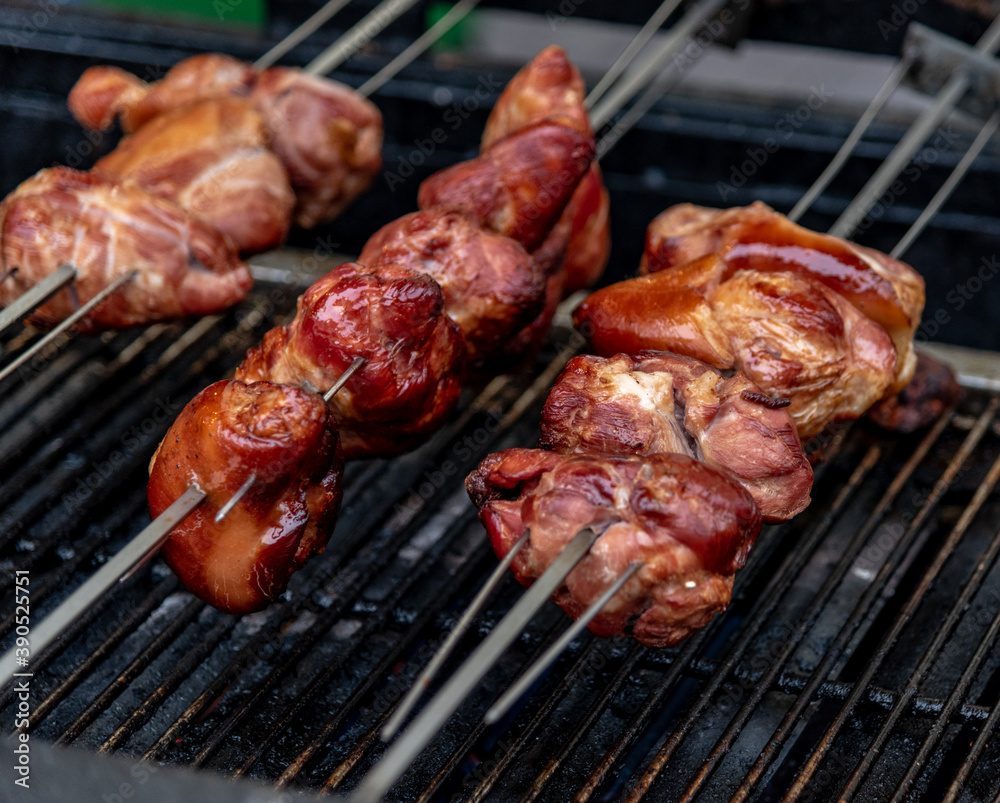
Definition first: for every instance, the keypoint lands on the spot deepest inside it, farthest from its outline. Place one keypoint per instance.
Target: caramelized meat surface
(660, 402)
(327, 136)
(107, 228)
(923, 401)
(793, 337)
(103, 93)
(688, 524)
(550, 87)
(394, 318)
(286, 438)
(492, 287)
(212, 158)
(757, 238)
(520, 185)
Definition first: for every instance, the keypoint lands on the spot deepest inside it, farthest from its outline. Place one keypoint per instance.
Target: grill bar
(863, 611)
(889, 640)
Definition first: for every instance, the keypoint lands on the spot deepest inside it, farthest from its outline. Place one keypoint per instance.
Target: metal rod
(37, 295)
(344, 377)
(248, 483)
(136, 550)
(455, 15)
(421, 684)
(677, 38)
(515, 692)
(370, 26)
(953, 180)
(66, 324)
(235, 498)
(889, 86)
(917, 134)
(631, 51)
(453, 693)
(305, 30)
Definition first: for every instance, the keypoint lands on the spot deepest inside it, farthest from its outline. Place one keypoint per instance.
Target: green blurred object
(457, 37)
(243, 13)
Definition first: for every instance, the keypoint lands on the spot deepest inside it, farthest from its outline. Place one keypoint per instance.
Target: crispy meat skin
(688, 523)
(660, 402)
(107, 228)
(520, 185)
(793, 337)
(394, 318)
(328, 138)
(756, 237)
(930, 393)
(212, 158)
(551, 87)
(103, 93)
(287, 439)
(492, 287)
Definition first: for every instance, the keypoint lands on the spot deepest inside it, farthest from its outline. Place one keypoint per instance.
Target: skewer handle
(133, 554)
(373, 23)
(305, 30)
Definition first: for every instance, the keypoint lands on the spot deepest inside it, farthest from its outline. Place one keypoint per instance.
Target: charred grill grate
(870, 619)
(874, 612)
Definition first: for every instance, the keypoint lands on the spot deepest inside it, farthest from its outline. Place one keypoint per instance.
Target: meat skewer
(398, 758)
(32, 297)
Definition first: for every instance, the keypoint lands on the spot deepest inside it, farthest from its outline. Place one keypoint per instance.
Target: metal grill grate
(869, 617)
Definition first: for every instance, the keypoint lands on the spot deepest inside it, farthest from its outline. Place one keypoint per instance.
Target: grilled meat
(103, 93)
(212, 158)
(107, 228)
(659, 402)
(793, 337)
(757, 238)
(923, 401)
(550, 87)
(492, 287)
(394, 318)
(520, 185)
(328, 138)
(283, 436)
(690, 525)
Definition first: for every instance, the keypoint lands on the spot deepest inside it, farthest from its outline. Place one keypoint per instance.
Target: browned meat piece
(394, 318)
(103, 93)
(689, 524)
(550, 87)
(107, 228)
(757, 238)
(793, 337)
(520, 185)
(660, 402)
(930, 393)
(285, 437)
(212, 158)
(328, 137)
(492, 287)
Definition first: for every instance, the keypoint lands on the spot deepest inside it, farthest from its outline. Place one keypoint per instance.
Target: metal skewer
(134, 553)
(300, 34)
(372, 24)
(72, 320)
(249, 482)
(515, 692)
(631, 51)
(37, 295)
(447, 647)
(451, 696)
(916, 135)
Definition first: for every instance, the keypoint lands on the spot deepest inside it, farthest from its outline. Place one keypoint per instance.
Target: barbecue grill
(858, 654)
